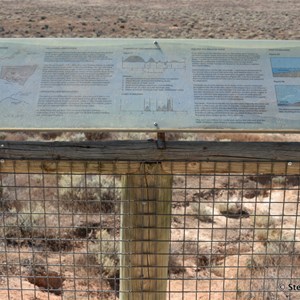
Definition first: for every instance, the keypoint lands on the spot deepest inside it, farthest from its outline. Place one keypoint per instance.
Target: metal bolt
(2, 145)
(2, 161)
(155, 124)
(155, 43)
(290, 163)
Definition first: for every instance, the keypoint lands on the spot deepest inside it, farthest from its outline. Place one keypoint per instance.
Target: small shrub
(289, 180)
(175, 265)
(267, 234)
(293, 180)
(272, 263)
(23, 225)
(81, 200)
(176, 259)
(270, 255)
(97, 136)
(92, 196)
(278, 180)
(6, 204)
(265, 179)
(105, 250)
(263, 220)
(8, 264)
(31, 228)
(206, 194)
(226, 207)
(203, 261)
(50, 135)
(203, 255)
(202, 211)
(88, 263)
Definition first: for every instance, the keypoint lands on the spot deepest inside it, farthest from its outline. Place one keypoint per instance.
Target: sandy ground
(255, 19)
(228, 19)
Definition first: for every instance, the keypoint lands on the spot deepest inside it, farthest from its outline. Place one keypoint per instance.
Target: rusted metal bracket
(161, 140)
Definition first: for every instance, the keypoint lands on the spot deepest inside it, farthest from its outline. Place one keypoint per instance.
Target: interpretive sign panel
(141, 84)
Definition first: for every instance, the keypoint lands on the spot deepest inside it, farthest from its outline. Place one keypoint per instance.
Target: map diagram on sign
(16, 98)
(13, 79)
(17, 74)
(8, 56)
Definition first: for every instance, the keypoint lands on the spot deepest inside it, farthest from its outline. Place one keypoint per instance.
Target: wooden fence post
(145, 233)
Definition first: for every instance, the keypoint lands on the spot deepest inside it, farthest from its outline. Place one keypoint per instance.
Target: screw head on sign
(290, 163)
(155, 124)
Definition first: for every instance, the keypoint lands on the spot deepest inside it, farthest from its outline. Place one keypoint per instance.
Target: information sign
(148, 85)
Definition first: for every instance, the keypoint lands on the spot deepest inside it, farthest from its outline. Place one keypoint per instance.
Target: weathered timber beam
(148, 151)
(129, 167)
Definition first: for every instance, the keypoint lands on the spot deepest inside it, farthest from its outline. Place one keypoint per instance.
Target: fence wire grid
(229, 236)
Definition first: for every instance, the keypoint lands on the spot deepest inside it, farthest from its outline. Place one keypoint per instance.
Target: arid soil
(228, 19)
(268, 19)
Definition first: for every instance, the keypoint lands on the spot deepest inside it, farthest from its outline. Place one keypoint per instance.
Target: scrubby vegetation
(71, 224)
(88, 194)
(106, 251)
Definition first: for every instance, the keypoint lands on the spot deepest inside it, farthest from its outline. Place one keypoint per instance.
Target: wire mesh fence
(82, 232)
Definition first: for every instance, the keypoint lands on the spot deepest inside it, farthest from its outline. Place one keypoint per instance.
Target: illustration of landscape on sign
(285, 66)
(288, 95)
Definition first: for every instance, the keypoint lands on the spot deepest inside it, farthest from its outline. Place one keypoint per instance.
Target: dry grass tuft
(93, 196)
(31, 227)
(272, 253)
(87, 262)
(269, 267)
(270, 264)
(175, 259)
(7, 204)
(97, 136)
(105, 249)
(264, 284)
(26, 224)
(263, 220)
